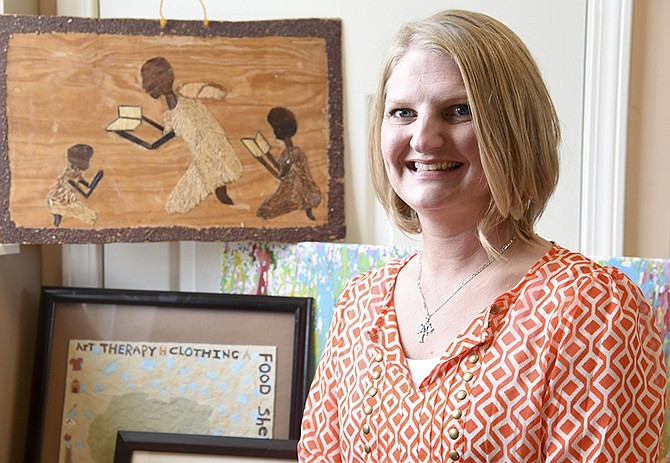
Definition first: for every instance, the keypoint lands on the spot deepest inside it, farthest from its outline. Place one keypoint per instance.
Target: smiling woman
(492, 343)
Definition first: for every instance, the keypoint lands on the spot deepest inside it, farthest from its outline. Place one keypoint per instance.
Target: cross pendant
(423, 329)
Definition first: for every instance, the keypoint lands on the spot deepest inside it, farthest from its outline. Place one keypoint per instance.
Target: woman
(492, 344)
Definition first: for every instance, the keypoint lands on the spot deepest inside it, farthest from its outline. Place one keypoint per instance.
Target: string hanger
(163, 21)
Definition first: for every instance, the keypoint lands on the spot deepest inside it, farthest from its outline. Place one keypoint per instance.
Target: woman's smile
(425, 166)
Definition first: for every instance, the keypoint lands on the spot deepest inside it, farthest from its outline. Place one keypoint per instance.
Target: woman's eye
(401, 113)
(462, 110)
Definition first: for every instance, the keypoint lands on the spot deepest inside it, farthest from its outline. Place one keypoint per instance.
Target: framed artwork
(199, 364)
(124, 130)
(147, 447)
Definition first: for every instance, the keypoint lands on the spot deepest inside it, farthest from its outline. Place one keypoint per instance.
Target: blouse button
(454, 455)
(474, 358)
(467, 376)
(366, 429)
(453, 433)
(376, 374)
(462, 394)
(495, 309)
(366, 448)
(367, 409)
(457, 413)
(379, 357)
(372, 391)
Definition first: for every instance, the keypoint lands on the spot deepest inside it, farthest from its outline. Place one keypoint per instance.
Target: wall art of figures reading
(124, 130)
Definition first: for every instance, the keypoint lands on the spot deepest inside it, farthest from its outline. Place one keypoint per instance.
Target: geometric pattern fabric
(565, 367)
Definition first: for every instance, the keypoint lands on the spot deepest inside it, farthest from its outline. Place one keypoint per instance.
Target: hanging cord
(204, 13)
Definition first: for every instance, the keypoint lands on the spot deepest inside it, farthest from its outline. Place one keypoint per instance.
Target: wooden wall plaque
(121, 130)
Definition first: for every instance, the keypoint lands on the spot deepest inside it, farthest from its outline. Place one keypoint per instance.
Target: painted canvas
(121, 130)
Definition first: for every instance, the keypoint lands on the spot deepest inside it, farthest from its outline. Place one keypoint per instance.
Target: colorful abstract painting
(320, 270)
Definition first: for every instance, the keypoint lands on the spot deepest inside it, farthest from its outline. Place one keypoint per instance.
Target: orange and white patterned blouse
(565, 367)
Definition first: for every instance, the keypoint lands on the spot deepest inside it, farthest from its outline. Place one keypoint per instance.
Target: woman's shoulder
(367, 295)
(566, 271)
(375, 284)
(560, 260)
(383, 273)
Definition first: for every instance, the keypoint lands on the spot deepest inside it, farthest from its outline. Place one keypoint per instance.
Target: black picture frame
(128, 442)
(116, 314)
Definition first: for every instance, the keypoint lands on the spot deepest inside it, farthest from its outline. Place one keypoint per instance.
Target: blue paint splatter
(148, 364)
(236, 367)
(109, 369)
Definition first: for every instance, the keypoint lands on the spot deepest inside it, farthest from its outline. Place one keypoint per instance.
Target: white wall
(555, 32)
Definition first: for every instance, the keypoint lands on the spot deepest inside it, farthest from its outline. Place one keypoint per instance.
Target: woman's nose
(427, 135)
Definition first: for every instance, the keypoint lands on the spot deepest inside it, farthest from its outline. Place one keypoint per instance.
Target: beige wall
(19, 300)
(19, 6)
(647, 215)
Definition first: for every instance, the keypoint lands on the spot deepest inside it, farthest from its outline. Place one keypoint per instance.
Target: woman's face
(428, 140)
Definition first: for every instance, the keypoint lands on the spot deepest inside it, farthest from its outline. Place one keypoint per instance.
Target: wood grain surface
(63, 88)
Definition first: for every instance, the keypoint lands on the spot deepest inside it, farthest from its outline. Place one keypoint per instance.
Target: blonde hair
(513, 117)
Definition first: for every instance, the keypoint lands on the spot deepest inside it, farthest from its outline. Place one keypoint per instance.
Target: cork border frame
(333, 227)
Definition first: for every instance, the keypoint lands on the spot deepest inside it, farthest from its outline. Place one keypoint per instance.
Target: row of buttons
(457, 413)
(367, 409)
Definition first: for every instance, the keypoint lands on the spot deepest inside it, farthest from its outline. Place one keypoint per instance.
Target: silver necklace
(424, 327)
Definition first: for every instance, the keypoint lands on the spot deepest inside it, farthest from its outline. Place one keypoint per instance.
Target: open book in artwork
(129, 118)
(258, 146)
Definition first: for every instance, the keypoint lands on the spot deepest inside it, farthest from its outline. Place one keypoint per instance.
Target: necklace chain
(424, 327)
